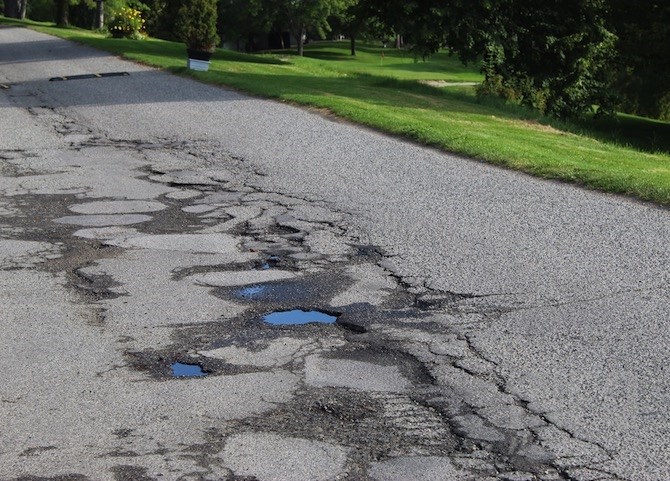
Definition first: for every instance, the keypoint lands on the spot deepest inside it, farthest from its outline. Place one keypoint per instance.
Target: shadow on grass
(388, 52)
(441, 66)
(246, 58)
(324, 55)
(639, 133)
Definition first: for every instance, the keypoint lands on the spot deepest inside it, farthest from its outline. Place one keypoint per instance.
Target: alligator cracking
(394, 377)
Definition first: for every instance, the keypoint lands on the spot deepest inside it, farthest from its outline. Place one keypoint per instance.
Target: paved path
(491, 325)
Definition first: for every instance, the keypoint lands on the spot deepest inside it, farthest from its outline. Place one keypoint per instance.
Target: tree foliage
(643, 46)
(358, 18)
(239, 20)
(421, 23)
(160, 23)
(553, 55)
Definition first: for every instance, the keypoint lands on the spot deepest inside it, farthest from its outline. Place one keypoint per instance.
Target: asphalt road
(492, 325)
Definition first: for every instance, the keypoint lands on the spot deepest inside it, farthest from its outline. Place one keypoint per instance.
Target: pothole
(180, 369)
(297, 317)
(250, 292)
(270, 263)
(274, 289)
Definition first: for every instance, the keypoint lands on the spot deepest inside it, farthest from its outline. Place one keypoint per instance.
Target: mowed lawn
(387, 89)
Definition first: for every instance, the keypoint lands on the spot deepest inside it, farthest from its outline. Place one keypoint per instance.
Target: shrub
(664, 107)
(127, 23)
(196, 25)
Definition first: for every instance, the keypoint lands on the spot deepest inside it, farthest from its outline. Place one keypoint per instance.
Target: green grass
(627, 155)
(390, 62)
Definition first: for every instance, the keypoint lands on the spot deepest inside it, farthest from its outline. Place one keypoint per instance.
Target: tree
(99, 15)
(419, 23)
(152, 12)
(356, 19)
(62, 13)
(554, 55)
(90, 14)
(41, 10)
(12, 9)
(239, 20)
(301, 15)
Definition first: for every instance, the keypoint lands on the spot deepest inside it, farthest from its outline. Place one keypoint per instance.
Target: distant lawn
(628, 155)
(390, 62)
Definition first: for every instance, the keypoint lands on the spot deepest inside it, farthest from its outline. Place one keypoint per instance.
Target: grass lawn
(626, 155)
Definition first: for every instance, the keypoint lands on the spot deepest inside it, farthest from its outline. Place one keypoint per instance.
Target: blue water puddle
(298, 316)
(179, 369)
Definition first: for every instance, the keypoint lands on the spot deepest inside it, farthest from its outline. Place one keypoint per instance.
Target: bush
(196, 25)
(664, 107)
(161, 16)
(127, 23)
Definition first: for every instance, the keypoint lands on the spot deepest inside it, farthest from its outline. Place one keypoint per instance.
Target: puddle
(270, 263)
(298, 316)
(179, 369)
(258, 289)
(251, 292)
(281, 293)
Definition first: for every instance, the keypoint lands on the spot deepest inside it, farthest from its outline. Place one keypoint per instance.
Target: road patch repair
(199, 327)
(89, 76)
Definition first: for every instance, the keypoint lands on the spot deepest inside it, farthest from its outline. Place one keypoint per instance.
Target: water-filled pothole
(271, 262)
(250, 292)
(284, 294)
(298, 316)
(180, 369)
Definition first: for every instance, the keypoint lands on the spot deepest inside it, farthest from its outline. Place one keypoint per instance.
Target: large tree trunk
(23, 9)
(99, 14)
(11, 9)
(62, 7)
(353, 45)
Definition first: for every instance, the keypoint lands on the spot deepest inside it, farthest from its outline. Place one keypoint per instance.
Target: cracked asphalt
(490, 326)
